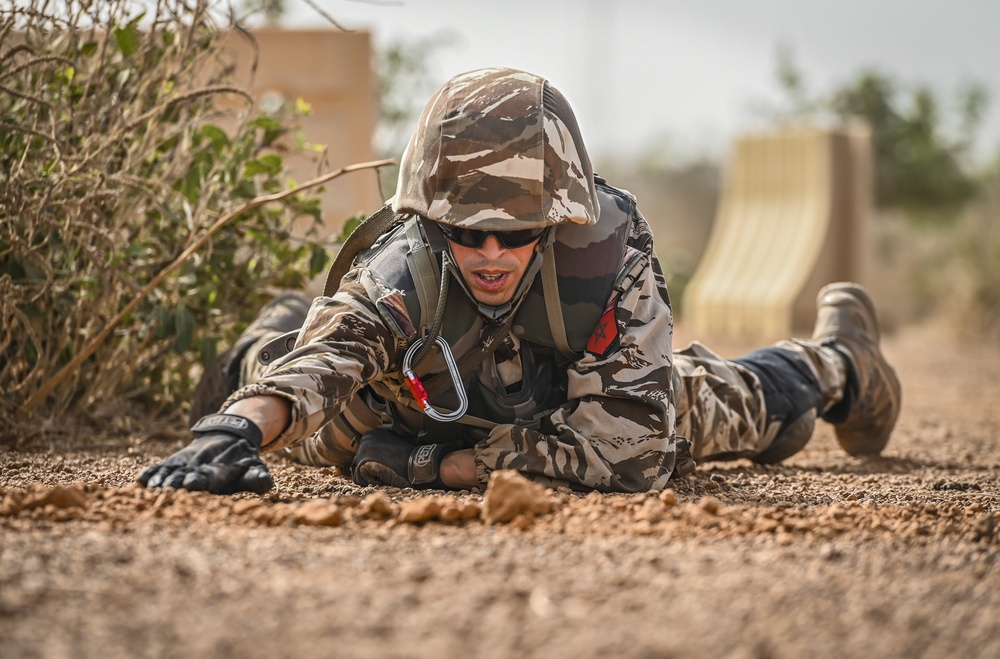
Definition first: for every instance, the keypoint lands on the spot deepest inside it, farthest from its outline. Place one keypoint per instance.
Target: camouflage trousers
(720, 404)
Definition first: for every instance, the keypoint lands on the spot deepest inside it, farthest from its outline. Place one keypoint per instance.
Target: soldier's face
(492, 270)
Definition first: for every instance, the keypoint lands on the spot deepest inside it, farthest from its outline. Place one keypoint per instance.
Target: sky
(687, 76)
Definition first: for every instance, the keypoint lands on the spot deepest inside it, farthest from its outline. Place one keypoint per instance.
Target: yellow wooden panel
(793, 216)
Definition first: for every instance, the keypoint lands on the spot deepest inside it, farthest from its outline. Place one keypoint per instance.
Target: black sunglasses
(475, 238)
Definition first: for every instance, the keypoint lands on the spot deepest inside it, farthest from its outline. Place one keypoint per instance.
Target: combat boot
(847, 322)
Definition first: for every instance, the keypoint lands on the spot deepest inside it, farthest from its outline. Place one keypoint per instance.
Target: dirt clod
(510, 494)
(824, 555)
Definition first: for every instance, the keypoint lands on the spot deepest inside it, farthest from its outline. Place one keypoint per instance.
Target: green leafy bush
(122, 139)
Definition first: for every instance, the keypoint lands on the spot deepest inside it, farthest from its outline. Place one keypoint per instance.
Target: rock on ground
(824, 555)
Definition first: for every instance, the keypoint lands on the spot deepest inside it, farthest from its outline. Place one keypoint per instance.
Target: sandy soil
(825, 555)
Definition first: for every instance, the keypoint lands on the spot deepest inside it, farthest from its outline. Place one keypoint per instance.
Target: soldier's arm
(615, 432)
(344, 344)
(270, 413)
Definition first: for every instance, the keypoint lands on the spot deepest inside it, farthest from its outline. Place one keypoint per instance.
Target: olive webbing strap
(432, 289)
(440, 382)
(553, 305)
(364, 237)
(424, 271)
(465, 419)
(360, 239)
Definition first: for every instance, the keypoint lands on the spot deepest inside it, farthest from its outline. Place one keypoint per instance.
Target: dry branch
(91, 347)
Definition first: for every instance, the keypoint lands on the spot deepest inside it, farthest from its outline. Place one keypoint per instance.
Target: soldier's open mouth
(491, 280)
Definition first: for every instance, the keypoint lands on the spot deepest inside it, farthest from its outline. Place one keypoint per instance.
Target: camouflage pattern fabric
(613, 433)
(608, 435)
(720, 404)
(605, 421)
(602, 422)
(497, 149)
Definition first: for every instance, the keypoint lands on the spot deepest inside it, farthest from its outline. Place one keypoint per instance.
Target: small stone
(244, 506)
(452, 511)
(376, 505)
(262, 515)
(668, 497)
(59, 497)
(522, 522)
(11, 505)
(710, 505)
(318, 513)
(510, 494)
(470, 510)
(420, 510)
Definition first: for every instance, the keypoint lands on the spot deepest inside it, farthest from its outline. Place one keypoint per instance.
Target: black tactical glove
(224, 458)
(385, 458)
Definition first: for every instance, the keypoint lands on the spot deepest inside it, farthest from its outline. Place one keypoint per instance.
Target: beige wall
(332, 71)
(793, 217)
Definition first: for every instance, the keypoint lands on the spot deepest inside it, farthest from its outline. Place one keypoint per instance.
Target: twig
(24, 95)
(328, 17)
(32, 62)
(66, 370)
(207, 91)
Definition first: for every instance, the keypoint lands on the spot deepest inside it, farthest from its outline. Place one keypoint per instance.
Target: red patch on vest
(606, 333)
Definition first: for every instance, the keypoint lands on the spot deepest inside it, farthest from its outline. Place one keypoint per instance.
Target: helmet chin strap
(495, 313)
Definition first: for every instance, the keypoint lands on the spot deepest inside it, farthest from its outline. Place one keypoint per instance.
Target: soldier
(511, 314)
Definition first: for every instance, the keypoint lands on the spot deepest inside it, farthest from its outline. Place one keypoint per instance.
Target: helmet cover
(497, 150)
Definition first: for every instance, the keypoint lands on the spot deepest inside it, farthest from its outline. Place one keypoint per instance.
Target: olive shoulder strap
(360, 239)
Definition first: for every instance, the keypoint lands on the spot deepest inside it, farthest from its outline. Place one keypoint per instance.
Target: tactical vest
(580, 272)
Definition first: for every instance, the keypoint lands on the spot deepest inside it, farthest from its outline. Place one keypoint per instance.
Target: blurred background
(663, 90)
(681, 79)
(773, 146)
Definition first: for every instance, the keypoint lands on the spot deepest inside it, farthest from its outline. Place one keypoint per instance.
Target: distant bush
(938, 219)
(923, 159)
(678, 196)
(982, 256)
(117, 153)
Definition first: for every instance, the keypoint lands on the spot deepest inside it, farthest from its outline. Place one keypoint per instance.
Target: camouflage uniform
(500, 150)
(720, 404)
(599, 421)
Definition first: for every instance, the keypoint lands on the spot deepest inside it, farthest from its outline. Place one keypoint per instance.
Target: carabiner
(417, 387)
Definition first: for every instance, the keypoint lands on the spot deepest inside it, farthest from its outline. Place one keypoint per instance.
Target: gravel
(824, 555)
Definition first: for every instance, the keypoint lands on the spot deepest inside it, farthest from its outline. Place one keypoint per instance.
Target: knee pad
(792, 397)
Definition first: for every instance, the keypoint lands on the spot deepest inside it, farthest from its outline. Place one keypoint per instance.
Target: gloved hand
(385, 458)
(223, 459)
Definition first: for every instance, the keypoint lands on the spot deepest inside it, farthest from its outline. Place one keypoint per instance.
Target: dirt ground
(822, 556)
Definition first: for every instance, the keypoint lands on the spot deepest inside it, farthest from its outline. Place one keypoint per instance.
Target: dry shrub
(980, 252)
(947, 273)
(113, 159)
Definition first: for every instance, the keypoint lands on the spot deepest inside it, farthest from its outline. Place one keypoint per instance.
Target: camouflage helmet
(497, 150)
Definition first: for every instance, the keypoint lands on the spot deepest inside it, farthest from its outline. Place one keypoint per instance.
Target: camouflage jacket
(600, 419)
